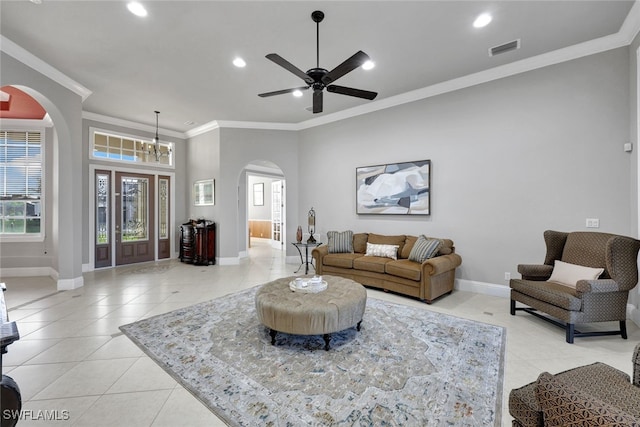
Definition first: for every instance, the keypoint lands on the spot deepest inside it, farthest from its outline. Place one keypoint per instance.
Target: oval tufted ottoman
(340, 306)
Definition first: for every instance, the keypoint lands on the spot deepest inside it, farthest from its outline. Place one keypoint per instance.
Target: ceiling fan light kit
(320, 78)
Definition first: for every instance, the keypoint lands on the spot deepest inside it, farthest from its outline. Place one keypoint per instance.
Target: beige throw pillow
(569, 274)
(386, 251)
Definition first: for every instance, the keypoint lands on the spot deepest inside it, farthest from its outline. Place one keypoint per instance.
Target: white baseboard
(484, 288)
(69, 284)
(29, 272)
(633, 313)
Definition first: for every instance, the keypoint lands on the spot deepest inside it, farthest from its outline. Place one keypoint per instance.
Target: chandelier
(155, 149)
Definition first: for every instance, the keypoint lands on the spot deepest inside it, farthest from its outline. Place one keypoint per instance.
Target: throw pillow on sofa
(424, 248)
(340, 241)
(385, 251)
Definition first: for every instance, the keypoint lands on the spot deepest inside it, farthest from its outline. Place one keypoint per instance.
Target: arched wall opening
(265, 200)
(62, 250)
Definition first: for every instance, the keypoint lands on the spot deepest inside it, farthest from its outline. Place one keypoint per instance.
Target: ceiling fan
(319, 78)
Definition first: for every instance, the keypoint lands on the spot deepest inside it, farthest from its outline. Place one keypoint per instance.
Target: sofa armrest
(318, 253)
(597, 286)
(440, 264)
(535, 271)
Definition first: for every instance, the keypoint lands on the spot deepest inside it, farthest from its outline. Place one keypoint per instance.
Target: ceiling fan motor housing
(317, 16)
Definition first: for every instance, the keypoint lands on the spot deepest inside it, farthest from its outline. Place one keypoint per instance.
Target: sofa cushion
(379, 239)
(549, 292)
(569, 274)
(424, 248)
(564, 405)
(446, 248)
(340, 260)
(374, 264)
(360, 242)
(340, 241)
(386, 251)
(408, 245)
(404, 268)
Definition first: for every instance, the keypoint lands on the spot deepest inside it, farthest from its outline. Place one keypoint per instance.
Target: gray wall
(510, 159)
(238, 147)
(261, 212)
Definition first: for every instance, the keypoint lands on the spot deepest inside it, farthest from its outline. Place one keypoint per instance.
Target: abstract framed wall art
(394, 189)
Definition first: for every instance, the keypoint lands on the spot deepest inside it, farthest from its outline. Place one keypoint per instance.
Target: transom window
(21, 183)
(121, 148)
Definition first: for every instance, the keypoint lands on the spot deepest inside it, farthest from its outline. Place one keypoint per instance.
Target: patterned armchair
(591, 395)
(602, 299)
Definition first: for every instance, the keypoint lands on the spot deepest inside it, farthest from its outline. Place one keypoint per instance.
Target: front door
(134, 229)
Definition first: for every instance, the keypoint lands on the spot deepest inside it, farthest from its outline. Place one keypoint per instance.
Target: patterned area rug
(406, 367)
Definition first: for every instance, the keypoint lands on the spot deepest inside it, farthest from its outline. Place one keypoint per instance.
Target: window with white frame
(123, 148)
(21, 184)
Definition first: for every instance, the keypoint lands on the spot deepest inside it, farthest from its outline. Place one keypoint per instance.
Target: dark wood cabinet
(198, 242)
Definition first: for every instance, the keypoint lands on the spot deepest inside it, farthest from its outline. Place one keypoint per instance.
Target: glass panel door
(134, 218)
(103, 219)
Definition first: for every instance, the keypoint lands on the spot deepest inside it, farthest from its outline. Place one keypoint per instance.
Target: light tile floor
(73, 364)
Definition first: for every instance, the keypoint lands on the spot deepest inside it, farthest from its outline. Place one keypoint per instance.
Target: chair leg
(513, 307)
(570, 332)
(623, 329)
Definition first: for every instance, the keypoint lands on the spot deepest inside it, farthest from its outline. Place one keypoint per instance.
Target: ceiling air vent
(504, 48)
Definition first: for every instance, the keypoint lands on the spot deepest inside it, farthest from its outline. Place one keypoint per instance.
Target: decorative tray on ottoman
(308, 286)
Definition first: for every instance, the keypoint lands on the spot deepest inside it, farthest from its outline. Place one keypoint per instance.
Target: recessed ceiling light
(297, 93)
(482, 20)
(36, 1)
(239, 62)
(368, 65)
(137, 8)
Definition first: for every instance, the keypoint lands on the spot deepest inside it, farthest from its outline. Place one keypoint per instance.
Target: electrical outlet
(593, 223)
(507, 276)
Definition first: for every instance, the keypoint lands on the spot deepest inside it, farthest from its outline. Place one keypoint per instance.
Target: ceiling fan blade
(283, 91)
(317, 101)
(350, 64)
(342, 90)
(289, 67)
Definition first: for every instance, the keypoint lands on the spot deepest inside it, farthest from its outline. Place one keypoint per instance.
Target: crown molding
(207, 127)
(129, 124)
(30, 60)
(631, 25)
(45, 122)
(540, 61)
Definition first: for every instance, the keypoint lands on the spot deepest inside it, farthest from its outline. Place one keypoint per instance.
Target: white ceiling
(178, 59)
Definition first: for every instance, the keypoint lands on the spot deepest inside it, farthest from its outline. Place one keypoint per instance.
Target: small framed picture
(204, 192)
(258, 194)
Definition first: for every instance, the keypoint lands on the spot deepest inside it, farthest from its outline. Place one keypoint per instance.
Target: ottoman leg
(273, 336)
(327, 338)
(358, 326)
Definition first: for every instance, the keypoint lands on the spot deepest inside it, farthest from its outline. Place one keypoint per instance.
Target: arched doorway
(266, 205)
(63, 170)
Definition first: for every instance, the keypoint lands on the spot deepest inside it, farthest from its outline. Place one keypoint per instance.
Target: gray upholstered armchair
(601, 299)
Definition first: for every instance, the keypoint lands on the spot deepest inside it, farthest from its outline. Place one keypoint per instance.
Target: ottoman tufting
(339, 307)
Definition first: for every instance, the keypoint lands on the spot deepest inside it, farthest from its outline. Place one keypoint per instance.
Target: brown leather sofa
(427, 281)
(591, 395)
